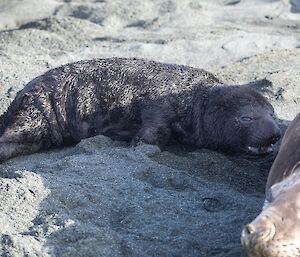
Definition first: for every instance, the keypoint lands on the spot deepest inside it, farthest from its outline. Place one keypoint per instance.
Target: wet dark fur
(133, 99)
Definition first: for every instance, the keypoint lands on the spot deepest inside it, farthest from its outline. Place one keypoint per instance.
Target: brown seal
(136, 100)
(276, 231)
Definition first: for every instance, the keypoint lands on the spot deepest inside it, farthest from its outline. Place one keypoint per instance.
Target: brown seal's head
(276, 231)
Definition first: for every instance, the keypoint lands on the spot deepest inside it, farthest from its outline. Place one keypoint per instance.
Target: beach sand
(105, 198)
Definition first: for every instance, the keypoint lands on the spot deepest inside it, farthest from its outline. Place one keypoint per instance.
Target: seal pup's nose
(276, 136)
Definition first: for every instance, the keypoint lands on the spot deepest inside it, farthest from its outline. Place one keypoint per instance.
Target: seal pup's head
(238, 119)
(276, 231)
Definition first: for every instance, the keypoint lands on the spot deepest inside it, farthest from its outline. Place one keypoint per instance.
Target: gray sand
(104, 198)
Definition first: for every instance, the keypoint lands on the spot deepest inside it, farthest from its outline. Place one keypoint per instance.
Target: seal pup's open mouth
(260, 149)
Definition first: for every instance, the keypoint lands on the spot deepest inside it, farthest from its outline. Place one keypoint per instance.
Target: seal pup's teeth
(250, 148)
(267, 149)
(253, 149)
(260, 149)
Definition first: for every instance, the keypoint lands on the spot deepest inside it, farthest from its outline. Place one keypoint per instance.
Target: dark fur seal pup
(276, 231)
(136, 100)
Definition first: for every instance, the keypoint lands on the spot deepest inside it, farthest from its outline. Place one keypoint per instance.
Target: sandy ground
(104, 198)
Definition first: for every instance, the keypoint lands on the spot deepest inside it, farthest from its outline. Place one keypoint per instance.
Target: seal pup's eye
(246, 119)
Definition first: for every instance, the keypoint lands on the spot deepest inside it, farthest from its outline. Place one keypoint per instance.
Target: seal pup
(136, 100)
(276, 231)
